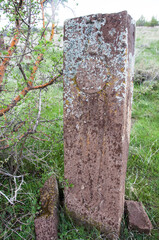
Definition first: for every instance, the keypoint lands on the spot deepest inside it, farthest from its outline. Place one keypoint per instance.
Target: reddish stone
(46, 228)
(137, 217)
(98, 71)
(46, 225)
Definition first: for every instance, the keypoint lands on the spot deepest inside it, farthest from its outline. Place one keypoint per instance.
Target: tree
(22, 62)
(154, 22)
(141, 21)
(30, 63)
(54, 4)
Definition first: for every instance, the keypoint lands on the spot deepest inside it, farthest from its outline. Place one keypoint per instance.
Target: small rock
(46, 225)
(137, 217)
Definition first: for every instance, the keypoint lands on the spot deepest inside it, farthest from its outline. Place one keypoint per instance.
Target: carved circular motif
(91, 75)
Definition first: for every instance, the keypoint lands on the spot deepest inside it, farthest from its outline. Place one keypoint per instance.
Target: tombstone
(98, 73)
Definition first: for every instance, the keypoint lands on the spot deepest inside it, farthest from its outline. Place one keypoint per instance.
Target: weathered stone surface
(46, 225)
(46, 228)
(98, 70)
(137, 217)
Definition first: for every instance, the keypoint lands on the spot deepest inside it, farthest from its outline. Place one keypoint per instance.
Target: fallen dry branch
(14, 193)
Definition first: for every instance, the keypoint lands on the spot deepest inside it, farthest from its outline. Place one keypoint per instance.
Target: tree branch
(22, 71)
(17, 189)
(12, 47)
(24, 92)
(43, 17)
(36, 65)
(39, 112)
(28, 35)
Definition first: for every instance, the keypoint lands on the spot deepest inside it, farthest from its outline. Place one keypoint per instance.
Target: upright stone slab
(98, 70)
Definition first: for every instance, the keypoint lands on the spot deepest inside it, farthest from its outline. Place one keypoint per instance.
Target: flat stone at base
(46, 225)
(137, 217)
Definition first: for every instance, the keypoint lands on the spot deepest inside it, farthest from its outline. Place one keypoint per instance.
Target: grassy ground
(147, 54)
(17, 221)
(142, 183)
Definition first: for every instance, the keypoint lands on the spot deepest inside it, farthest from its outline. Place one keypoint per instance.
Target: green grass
(68, 230)
(17, 221)
(149, 57)
(147, 51)
(142, 182)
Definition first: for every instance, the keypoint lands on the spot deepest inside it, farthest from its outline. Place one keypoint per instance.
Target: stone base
(90, 224)
(137, 217)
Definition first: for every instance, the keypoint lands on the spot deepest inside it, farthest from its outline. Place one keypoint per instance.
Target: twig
(14, 198)
(68, 8)
(28, 34)
(20, 15)
(9, 200)
(22, 71)
(39, 112)
(40, 139)
(17, 189)
(24, 92)
(6, 56)
(9, 175)
(12, 47)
